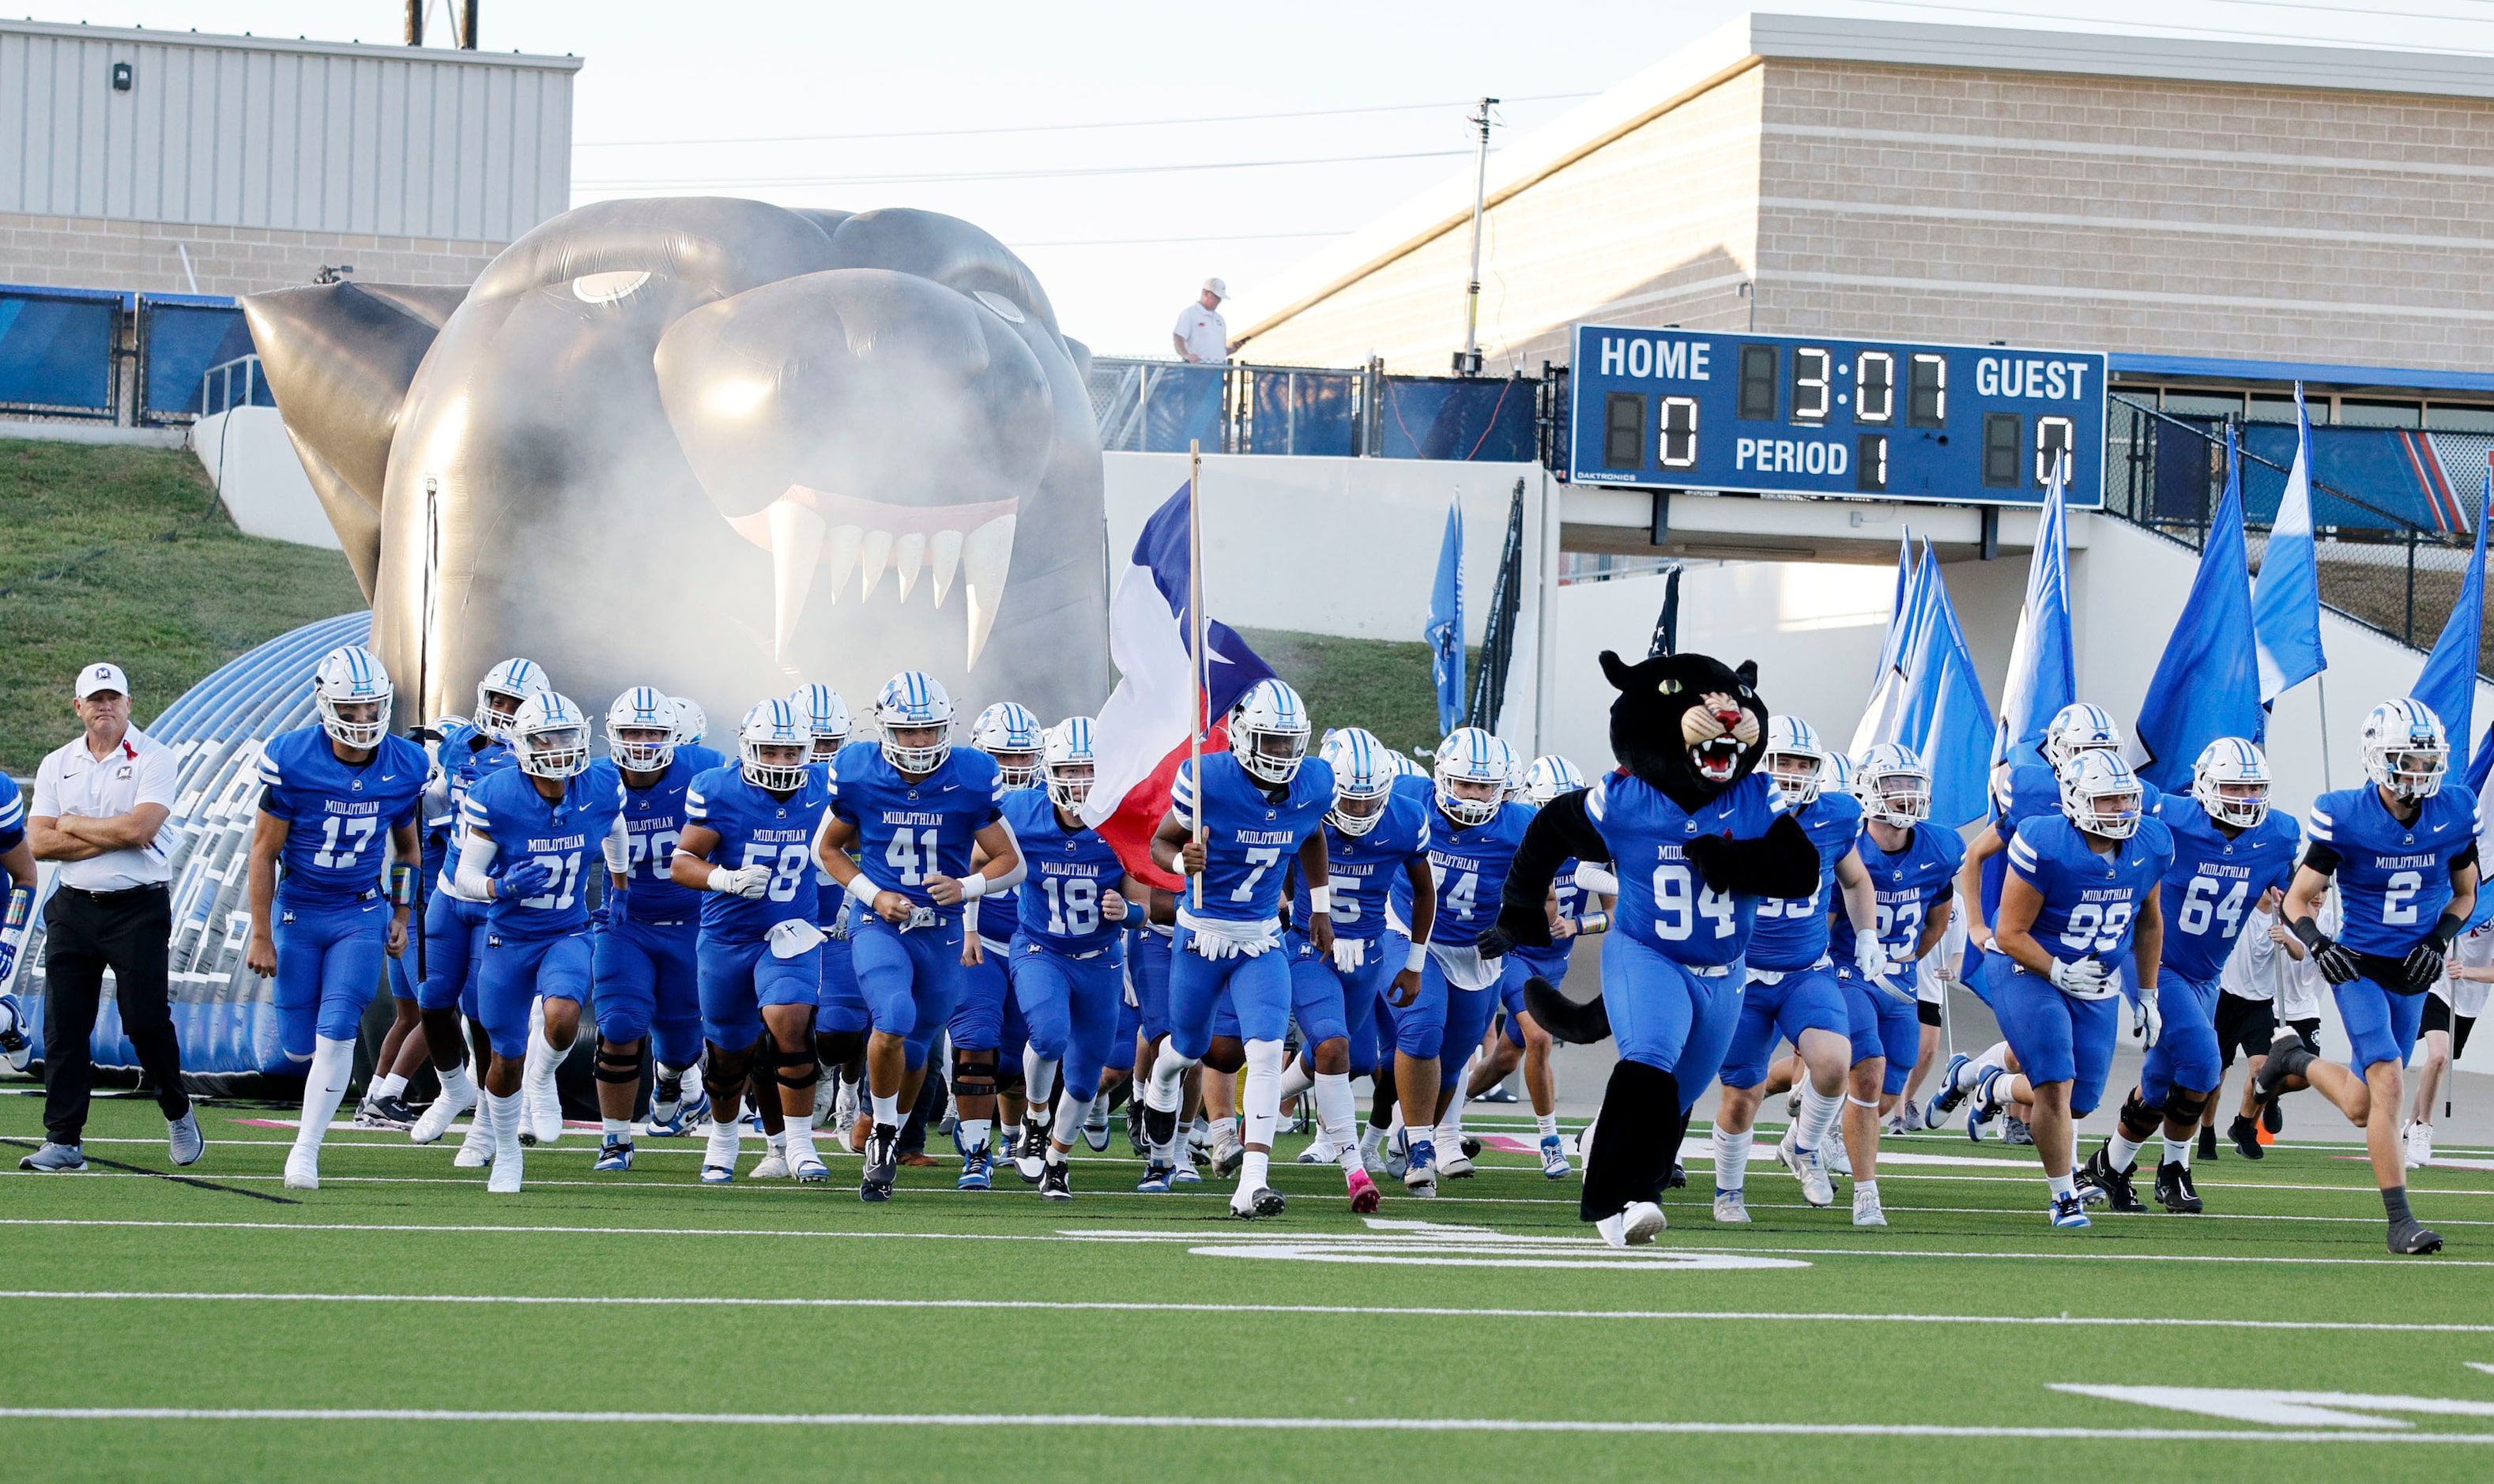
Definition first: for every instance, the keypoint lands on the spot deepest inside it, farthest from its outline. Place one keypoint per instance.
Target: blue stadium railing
(1162, 407)
(105, 355)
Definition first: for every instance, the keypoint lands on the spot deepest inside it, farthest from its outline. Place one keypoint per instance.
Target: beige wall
(88, 253)
(1963, 206)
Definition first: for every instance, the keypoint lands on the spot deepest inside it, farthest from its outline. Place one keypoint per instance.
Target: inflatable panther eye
(1668, 687)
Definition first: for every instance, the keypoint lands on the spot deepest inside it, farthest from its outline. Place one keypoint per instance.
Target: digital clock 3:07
(1794, 414)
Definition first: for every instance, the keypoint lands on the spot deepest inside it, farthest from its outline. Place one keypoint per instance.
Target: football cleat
(1397, 1151)
(2408, 1239)
(55, 1160)
(882, 1161)
(1472, 1147)
(2273, 1118)
(1421, 1168)
(1792, 1102)
(476, 1150)
(1055, 1182)
(1373, 1159)
(2014, 1131)
(2244, 1133)
(808, 1169)
(542, 1122)
(2100, 1183)
(1320, 1151)
(1980, 1108)
(182, 1140)
(1731, 1208)
(1678, 1180)
(2069, 1212)
(1833, 1154)
(977, 1168)
(2208, 1143)
(613, 1156)
(1901, 1121)
(667, 1120)
(1935, 1113)
(774, 1164)
(718, 1159)
(1364, 1195)
(1457, 1166)
(16, 1047)
(2419, 1144)
(1634, 1227)
(303, 1167)
(1135, 1137)
(1254, 1205)
(504, 1178)
(2175, 1190)
(1030, 1153)
(1156, 1178)
(1554, 1157)
(1227, 1153)
(1806, 1166)
(1866, 1209)
(1095, 1128)
(1186, 1173)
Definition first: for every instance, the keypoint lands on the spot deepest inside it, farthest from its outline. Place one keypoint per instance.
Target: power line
(1132, 123)
(652, 183)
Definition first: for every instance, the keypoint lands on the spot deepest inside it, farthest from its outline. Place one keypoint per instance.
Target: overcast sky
(1078, 133)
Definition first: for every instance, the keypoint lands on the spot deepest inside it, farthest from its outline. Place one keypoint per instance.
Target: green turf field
(770, 1331)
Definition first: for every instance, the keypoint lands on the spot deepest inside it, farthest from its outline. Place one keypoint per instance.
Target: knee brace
(615, 1065)
(973, 1079)
(2137, 1114)
(2184, 1107)
(791, 1069)
(838, 1047)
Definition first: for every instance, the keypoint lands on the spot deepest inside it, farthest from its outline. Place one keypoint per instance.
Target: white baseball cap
(101, 677)
(1216, 287)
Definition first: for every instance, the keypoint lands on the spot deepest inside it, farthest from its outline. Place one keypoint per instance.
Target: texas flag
(1143, 729)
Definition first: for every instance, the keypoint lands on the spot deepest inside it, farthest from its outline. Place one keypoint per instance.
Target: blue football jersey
(1791, 931)
(908, 831)
(13, 818)
(1906, 885)
(1369, 870)
(1000, 912)
(655, 817)
(830, 904)
(1471, 864)
(1663, 899)
(757, 828)
(1067, 871)
(337, 815)
(469, 757)
(568, 837)
(1250, 838)
(2394, 879)
(2214, 882)
(2092, 902)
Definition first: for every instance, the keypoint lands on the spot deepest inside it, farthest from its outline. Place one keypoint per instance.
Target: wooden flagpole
(1197, 680)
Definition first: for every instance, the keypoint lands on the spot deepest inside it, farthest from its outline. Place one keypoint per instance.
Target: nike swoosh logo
(389, 777)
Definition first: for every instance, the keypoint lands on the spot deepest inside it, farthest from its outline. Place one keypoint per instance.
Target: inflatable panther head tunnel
(714, 446)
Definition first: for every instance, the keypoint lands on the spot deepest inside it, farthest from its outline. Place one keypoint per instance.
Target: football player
(1069, 960)
(2451, 1008)
(748, 829)
(403, 1050)
(18, 861)
(466, 752)
(530, 833)
(913, 807)
(2229, 852)
(2403, 853)
(338, 799)
(839, 1014)
(648, 977)
(2081, 893)
(1792, 991)
(1010, 733)
(1230, 826)
(1913, 869)
(1373, 837)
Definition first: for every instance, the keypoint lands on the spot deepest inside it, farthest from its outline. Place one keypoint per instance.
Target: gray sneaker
(55, 1160)
(182, 1138)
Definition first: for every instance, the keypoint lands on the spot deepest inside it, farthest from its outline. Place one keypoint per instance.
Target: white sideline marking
(1260, 1424)
(1734, 1316)
(2292, 1409)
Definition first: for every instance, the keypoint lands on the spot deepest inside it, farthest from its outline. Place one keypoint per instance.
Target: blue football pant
(1881, 1026)
(2186, 1054)
(2380, 1023)
(840, 1006)
(1329, 1003)
(1798, 1000)
(649, 983)
(328, 968)
(1666, 1017)
(908, 980)
(1071, 1005)
(1550, 963)
(513, 972)
(454, 941)
(1147, 971)
(1259, 989)
(2057, 1038)
(977, 1022)
(740, 979)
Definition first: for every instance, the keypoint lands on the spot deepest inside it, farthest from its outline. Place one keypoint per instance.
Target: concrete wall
(93, 253)
(259, 477)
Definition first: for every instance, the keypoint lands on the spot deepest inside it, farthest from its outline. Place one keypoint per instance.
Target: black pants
(128, 932)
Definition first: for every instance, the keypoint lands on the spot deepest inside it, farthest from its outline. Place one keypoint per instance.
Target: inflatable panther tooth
(716, 445)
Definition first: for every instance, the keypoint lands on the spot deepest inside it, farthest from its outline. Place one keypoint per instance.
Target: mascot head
(1687, 723)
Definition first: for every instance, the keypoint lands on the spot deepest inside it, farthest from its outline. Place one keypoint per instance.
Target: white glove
(746, 881)
(1870, 958)
(2146, 1023)
(2084, 980)
(1212, 946)
(1348, 954)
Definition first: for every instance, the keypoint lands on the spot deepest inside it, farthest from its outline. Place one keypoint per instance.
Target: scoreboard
(1785, 415)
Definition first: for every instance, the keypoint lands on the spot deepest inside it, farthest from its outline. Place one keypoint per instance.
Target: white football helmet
(1550, 776)
(776, 725)
(1407, 766)
(1268, 730)
(511, 683)
(2232, 762)
(1009, 733)
(352, 676)
(692, 723)
(2102, 795)
(1067, 761)
(826, 715)
(1363, 778)
(914, 701)
(2406, 749)
(1840, 775)
(2077, 728)
(1793, 744)
(641, 730)
(1471, 755)
(1893, 784)
(550, 737)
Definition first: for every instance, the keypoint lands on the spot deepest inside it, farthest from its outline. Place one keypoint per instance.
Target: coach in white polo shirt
(101, 803)
(1201, 335)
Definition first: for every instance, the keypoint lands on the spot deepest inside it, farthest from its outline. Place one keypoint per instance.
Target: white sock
(887, 1109)
(1995, 1054)
(507, 1124)
(1261, 1096)
(1334, 1114)
(1162, 1093)
(1818, 1112)
(457, 1083)
(537, 1074)
(1731, 1159)
(1039, 1080)
(778, 1141)
(2178, 1151)
(616, 1128)
(800, 1141)
(1070, 1114)
(387, 1086)
(1450, 1127)
(1296, 1078)
(974, 1134)
(2120, 1152)
(1547, 1123)
(1256, 1173)
(325, 1087)
(1371, 1138)
(2062, 1185)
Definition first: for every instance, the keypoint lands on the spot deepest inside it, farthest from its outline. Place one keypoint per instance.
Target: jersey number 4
(1680, 901)
(2202, 904)
(912, 854)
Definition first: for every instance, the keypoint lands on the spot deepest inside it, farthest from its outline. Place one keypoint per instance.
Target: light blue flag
(1951, 722)
(2285, 597)
(2042, 670)
(1907, 613)
(2448, 683)
(2207, 686)
(1445, 631)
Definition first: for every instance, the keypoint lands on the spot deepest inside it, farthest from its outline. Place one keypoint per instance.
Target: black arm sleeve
(1780, 863)
(2321, 857)
(2467, 857)
(1561, 830)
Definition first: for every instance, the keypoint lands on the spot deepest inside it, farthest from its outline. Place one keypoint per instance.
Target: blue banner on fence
(1310, 414)
(57, 348)
(1456, 417)
(1182, 405)
(182, 340)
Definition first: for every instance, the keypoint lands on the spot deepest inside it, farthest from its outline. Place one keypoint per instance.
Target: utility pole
(1467, 363)
(415, 22)
(468, 25)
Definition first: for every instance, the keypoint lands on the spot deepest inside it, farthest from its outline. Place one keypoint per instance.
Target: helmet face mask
(2406, 750)
(1068, 763)
(1893, 786)
(1268, 731)
(1009, 733)
(504, 690)
(641, 730)
(774, 749)
(2231, 781)
(550, 738)
(2102, 795)
(1363, 780)
(915, 716)
(1793, 760)
(354, 694)
(826, 715)
(1471, 775)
